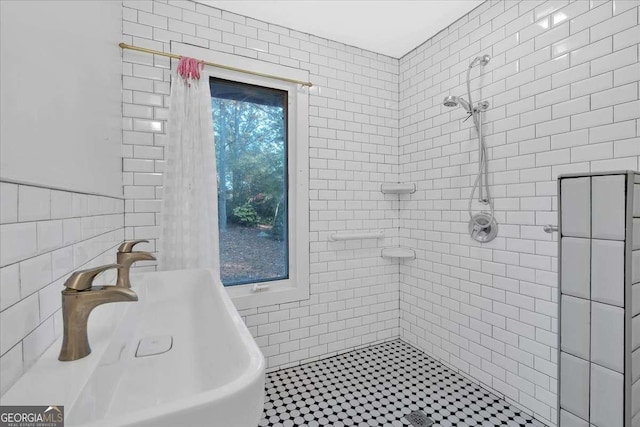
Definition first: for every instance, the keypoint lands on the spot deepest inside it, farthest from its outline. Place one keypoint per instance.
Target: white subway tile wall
(353, 150)
(563, 91)
(46, 234)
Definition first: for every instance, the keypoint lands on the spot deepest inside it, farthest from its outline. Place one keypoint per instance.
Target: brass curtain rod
(213, 64)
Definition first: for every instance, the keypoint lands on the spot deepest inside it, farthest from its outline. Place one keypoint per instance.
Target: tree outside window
(250, 129)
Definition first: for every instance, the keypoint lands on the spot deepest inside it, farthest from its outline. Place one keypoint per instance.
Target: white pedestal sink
(206, 371)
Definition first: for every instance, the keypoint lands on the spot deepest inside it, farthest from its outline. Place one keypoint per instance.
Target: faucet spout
(126, 259)
(76, 308)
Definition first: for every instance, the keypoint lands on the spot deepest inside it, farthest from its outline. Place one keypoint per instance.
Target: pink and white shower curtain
(189, 220)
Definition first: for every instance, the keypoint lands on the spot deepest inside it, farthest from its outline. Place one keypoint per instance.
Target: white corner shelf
(398, 188)
(399, 253)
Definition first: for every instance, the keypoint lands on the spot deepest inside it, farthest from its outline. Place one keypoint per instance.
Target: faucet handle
(128, 245)
(83, 279)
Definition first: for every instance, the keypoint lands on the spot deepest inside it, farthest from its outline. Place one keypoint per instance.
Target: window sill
(244, 296)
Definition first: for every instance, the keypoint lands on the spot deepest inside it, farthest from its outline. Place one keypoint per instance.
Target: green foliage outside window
(250, 131)
(250, 157)
(245, 215)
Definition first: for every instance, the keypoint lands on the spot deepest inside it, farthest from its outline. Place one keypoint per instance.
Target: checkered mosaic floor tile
(380, 386)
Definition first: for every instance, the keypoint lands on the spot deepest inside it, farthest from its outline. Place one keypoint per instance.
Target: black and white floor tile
(380, 386)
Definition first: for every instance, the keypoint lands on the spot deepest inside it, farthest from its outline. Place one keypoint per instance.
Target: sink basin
(196, 363)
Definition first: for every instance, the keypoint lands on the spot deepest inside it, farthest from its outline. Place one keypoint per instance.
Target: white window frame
(296, 287)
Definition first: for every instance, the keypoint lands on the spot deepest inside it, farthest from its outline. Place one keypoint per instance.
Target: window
(250, 129)
(280, 147)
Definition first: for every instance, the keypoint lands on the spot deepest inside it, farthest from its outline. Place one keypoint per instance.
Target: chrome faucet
(127, 256)
(79, 298)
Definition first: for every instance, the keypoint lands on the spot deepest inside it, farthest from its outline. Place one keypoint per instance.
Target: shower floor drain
(419, 419)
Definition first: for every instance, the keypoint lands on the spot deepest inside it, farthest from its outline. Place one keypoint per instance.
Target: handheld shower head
(452, 101)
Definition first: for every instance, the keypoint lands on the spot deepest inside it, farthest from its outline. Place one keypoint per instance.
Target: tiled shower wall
(46, 234)
(353, 149)
(563, 89)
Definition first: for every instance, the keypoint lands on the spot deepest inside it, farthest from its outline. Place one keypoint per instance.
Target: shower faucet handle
(550, 228)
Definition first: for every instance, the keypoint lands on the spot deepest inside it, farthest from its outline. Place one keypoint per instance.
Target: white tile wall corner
(608, 207)
(558, 71)
(607, 271)
(576, 274)
(576, 207)
(575, 377)
(607, 397)
(607, 336)
(353, 149)
(576, 332)
(46, 234)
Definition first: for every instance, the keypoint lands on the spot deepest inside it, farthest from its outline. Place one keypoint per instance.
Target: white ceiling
(389, 27)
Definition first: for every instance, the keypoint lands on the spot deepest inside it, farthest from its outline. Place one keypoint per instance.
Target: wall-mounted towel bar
(348, 235)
